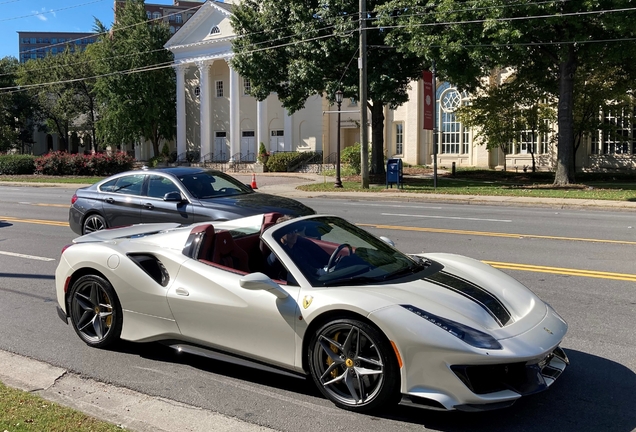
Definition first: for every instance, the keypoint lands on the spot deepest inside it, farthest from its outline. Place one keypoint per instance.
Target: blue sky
(49, 15)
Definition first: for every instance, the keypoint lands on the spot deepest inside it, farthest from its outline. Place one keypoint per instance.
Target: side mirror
(387, 241)
(260, 281)
(173, 196)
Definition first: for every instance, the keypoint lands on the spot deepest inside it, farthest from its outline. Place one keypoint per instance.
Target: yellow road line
(563, 271)
(52, 205)
(33, 221)
(495, 234)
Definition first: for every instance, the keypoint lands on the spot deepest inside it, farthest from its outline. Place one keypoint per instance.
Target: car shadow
(4, 224)
(593, 394)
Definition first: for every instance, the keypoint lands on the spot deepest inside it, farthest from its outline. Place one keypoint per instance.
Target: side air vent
(152, 266)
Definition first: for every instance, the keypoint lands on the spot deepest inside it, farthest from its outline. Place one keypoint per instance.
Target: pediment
(211, 23)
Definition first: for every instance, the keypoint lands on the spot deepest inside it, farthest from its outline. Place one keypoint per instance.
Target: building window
(148, 15)
(156, 15)
(527, 142)
(178, 19)
(353, 102)
(454, 137)
(170, 17)
(215, 30)
(54, 40)
(171, 30)
(33, 40)
(219, 88)
(399, 138)
(247, 87)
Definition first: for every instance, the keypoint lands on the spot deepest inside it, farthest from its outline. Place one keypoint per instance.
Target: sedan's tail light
(66, 247)
(73, 199)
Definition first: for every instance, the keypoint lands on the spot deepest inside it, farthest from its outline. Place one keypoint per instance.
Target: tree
(136, 84)
(15, 108)
(546, 43)
(53, 82)
(301, 48)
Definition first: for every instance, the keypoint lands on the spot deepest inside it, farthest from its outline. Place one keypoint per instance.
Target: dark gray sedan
(182, 194)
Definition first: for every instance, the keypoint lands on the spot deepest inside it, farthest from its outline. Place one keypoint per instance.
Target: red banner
(429, 101)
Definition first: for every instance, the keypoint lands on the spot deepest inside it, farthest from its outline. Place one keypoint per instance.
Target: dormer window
(215, 30)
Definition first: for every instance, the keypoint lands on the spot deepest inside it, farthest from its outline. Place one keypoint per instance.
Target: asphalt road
(574, 260)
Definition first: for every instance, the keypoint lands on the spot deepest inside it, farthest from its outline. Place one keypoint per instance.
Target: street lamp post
(338, 182)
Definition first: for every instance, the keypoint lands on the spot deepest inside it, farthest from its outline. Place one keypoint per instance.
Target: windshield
(330, 251)
(213, 184)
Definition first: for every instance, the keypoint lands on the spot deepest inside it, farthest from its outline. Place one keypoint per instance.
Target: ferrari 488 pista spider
(317, 296)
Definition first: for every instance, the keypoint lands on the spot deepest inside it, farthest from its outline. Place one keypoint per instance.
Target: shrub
(351, 156)
(98, 164)
(288, 161)
(14, 164)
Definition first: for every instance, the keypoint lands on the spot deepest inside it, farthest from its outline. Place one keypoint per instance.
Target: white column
(205, 108)
(235, 114)
(288, 130)
(261, 125)
(181, 110)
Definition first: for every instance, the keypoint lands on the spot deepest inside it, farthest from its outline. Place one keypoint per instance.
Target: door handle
(149, 206)
(182, 292)
(109, 200)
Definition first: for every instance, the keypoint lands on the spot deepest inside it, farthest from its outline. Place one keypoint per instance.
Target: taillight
(66, 247)
(66, 282)
(73, 199)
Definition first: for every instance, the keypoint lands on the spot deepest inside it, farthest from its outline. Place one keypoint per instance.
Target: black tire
(347, 355)
(93, 222)
(95, 311)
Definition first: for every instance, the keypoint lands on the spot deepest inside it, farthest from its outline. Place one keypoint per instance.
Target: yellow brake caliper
(334, 373)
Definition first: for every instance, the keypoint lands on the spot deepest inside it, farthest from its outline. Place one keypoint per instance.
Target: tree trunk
(564, 174)
(377, 138)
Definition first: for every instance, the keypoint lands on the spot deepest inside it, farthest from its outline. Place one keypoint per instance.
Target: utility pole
(362, 65)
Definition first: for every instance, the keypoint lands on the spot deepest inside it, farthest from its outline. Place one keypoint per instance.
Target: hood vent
(483, 298)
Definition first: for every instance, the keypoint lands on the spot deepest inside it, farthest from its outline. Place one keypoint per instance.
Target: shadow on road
(593, 394)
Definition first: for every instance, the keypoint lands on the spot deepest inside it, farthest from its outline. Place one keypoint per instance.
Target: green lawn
(22, 411)
(493, 183)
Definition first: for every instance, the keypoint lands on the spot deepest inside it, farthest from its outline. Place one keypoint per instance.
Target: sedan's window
(129, 185)
(159, 186)
(212, 184)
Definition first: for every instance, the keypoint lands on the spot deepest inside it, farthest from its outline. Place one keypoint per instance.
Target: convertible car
(317, 296)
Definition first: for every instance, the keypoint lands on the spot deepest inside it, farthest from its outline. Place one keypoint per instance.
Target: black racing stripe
(476, 293)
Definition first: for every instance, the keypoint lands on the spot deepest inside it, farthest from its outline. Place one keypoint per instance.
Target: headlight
(469, 335)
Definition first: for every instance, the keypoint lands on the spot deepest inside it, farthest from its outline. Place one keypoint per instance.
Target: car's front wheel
(94, 223)
(95, 311)
(353, 365)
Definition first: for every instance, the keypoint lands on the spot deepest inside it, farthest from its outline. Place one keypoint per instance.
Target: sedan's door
(210, 306)
(122, 200)
(155, 209)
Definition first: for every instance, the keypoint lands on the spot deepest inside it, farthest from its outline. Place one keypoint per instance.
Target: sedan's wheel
(353, 365)
(95, 311)
(94, 223)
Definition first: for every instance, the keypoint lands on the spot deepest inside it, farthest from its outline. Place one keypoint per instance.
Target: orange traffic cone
(254, 181)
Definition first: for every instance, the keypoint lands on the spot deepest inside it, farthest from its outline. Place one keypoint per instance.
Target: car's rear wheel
(94, 223)
(95, 311)
(353, 365)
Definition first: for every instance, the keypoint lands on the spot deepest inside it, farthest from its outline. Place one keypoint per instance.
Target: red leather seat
(229, 254)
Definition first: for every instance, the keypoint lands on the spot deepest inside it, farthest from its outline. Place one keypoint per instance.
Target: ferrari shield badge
(307, 301)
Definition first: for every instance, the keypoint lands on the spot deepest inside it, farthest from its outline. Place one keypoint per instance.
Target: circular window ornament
(451, 100)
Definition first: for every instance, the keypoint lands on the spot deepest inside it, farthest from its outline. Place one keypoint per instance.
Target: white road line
(446, 217)
(33, 257)
(394, 205)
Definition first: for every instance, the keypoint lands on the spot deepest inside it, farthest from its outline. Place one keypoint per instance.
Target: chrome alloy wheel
(94, 312)
(348, 362)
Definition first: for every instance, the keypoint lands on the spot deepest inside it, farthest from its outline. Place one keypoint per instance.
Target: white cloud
(40, 14)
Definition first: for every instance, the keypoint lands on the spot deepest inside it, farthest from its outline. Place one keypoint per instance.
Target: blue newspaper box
(394, 173)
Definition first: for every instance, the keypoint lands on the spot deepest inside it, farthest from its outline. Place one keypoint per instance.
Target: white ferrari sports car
(317, 295)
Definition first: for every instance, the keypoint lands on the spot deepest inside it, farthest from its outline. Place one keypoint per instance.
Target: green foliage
(306, 48)
(17, 164)
(288, 161)
(136, 105)
(64, 96)
(469, 42)
(98, 164)
(15, 108)
(263, 154)
(351, 156)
